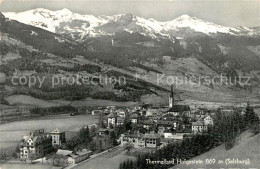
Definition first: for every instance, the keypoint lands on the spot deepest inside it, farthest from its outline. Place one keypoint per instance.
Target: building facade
(58, 137)
(199, 127)
(35, 145)
(112, 119)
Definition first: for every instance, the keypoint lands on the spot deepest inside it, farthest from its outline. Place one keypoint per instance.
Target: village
(138, 130)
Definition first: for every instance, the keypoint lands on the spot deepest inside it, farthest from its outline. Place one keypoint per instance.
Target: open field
(99, 102)
(246, 147)
(106, 161)
(28, 100)
(12, 132)
(26, 166)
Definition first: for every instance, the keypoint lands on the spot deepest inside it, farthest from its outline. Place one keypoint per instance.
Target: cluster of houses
(157, 124)
(171, 122)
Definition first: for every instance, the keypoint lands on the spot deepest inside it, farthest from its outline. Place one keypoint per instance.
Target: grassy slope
(28, 100)
(247, 147)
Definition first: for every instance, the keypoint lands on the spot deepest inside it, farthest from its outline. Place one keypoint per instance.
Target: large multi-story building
(35, 145)
(112, 119)
(140, 141)
(58, 137)
(199, 127)
(152, 140)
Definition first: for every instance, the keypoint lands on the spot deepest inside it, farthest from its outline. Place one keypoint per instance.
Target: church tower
(171, 98)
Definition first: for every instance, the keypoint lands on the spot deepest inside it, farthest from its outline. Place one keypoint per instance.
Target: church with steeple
(176, 109)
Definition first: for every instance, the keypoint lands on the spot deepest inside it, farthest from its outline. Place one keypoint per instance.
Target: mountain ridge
(89, 25)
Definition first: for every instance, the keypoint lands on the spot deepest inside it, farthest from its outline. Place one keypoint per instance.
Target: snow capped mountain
(196, 24)
(54, 20)
(83, 26)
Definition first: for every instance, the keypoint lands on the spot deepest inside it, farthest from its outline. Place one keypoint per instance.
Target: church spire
(171, 98)
(171, 91)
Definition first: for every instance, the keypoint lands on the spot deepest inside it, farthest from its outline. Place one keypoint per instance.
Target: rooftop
(57, 130)
(179, 108)
(198, 123)
(134, 116)
(152, 136)
(112, 115)
(63, 152)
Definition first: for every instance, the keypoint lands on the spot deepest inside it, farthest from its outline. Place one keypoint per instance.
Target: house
(199, 127)
(131, 139)
(156, 118)
(140, 141)
(79, 156)
(104, 131)
(200, 113)
(96, 112)
(134, 118)
(161, 130)
(168, 123)
(208, 120)
(121, 113)
(35, 145)
(63, 152)
(120, 121)
(61, 157)
(152, 140)
(178, 110)
(175, 136)
(58, 137)
(147, 124)
(168, 117)
(112, 119)
(152, 111)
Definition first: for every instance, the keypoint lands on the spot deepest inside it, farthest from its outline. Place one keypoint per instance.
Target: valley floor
(11, 133)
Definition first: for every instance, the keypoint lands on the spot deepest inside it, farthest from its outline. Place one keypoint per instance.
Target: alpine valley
(45, 43)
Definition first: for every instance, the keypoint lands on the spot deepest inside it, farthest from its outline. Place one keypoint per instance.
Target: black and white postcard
(129, 84)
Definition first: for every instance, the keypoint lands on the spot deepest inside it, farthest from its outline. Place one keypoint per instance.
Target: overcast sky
(224, 12)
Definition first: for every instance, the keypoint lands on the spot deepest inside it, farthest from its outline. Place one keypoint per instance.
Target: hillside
(30, 51)
(246, 147)
(126, 45)
(222, 48)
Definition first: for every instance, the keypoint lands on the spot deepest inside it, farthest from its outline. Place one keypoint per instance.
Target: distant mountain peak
(126, 18)
(64, 11)
(182, 17)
